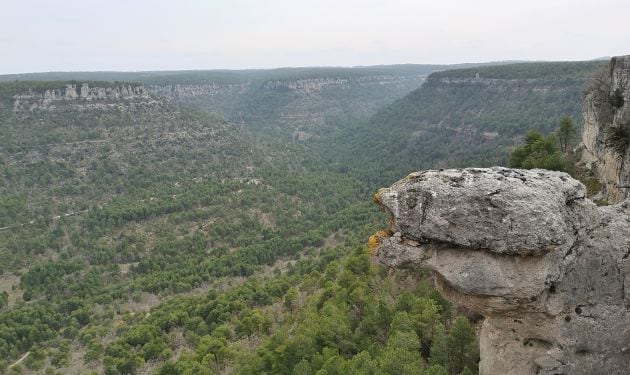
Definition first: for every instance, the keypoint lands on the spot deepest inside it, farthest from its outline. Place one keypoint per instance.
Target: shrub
(618, 138)
(617, 99)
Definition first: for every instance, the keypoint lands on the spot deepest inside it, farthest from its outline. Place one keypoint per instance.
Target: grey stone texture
(547, 268)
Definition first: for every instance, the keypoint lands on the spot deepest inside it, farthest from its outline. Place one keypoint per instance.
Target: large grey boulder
(545, 266)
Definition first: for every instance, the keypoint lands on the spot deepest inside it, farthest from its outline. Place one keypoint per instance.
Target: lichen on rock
(545, 266)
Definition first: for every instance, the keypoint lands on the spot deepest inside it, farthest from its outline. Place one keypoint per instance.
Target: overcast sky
(67, 35)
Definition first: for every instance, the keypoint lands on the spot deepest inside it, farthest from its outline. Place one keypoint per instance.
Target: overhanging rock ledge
(547, 268)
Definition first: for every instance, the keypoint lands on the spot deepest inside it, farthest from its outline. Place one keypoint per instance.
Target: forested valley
(217, 222)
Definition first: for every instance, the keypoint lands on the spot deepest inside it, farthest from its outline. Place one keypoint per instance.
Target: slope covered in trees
(468, 117)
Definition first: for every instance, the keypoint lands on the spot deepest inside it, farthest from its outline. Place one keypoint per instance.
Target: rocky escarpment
(183, 91)
(546, 267)
(606, 129)
(314, 85)
(536, 85)
(299, 86)
(81, 97)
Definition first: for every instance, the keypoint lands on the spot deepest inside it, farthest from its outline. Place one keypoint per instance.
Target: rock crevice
(546, 267)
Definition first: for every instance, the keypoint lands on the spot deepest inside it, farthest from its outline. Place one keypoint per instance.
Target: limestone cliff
(314, 85)
(606, 128)
(183, 91)
(547, 268)
(81, 97)
(299, 86)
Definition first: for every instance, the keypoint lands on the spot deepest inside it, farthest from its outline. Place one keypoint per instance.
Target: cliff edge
(547, 268)
(119, 96)
(606, 129)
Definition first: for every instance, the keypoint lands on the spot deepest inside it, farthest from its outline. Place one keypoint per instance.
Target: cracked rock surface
(547, 268)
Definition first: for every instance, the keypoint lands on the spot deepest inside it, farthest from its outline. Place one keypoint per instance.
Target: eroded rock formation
(82, 97)
(182, 91)
(606, 129)
(548, 269)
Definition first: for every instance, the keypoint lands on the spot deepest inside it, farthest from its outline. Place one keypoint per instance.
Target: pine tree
(566, 133)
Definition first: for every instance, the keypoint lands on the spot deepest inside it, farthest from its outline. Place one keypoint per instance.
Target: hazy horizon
(40, 36)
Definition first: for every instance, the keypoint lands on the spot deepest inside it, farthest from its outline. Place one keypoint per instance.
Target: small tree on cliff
(566, 133)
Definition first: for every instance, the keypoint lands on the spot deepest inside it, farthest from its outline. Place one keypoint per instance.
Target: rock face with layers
(547, 268)
(73, 97)
(606, 128)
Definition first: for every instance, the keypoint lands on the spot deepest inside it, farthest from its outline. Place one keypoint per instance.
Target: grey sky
(66, 35)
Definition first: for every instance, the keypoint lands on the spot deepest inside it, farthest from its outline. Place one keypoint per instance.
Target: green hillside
(140, 236)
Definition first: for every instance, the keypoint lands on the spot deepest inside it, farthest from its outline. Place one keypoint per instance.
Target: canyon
(547, 268)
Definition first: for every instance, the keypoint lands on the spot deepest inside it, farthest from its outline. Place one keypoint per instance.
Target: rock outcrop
(300, 86)
(547, 268)
(606, 129)
(183, 91)
(81, 97)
